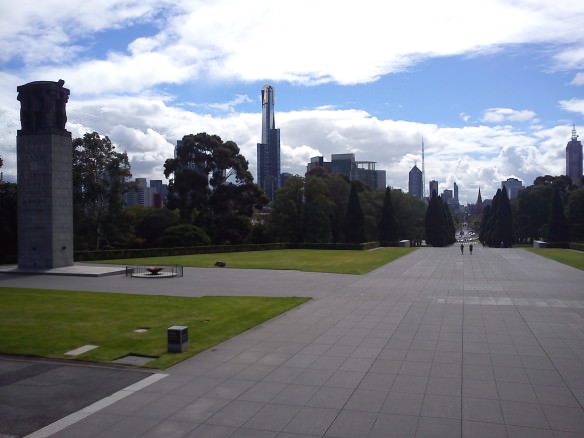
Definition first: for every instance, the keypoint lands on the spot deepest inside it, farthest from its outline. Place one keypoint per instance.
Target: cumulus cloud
(500, 115)
(223, 41)
(573, 105)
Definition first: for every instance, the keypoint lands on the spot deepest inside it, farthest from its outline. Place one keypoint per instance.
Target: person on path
(462, 248)
(470, 248)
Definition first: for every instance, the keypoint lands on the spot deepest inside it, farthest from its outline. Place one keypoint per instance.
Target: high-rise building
(512, 185)
(268, 157)
(456, 192)
(345, 164)
(415, 184)
(433, 187)
(574, 159)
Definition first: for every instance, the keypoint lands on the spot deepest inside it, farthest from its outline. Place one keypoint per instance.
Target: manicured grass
(48, 323)
(336, 261)
(565, 256)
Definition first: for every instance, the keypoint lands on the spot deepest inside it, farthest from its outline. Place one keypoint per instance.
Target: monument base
(45, 200)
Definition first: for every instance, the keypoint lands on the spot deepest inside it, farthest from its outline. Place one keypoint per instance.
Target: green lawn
(565, 256)
(48, 323)
(336, 261)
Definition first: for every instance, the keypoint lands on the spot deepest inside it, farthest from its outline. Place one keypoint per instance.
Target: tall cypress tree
(354, 219)
(558, 226)
(388, 231)
(504, 221)
(435, 221)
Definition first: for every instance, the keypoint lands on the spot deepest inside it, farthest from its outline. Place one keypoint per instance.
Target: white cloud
(573, 105)
(499, 115)
(324, 41)
(578, 79)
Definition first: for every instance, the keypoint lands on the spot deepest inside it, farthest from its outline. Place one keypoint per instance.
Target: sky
(492, 88)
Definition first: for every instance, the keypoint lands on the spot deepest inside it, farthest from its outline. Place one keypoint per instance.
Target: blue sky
(493, 87)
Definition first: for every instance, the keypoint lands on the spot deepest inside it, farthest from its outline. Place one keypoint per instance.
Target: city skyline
(493, 98)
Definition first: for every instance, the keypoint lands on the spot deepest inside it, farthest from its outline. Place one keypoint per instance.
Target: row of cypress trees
(440, 230)
(497, 223)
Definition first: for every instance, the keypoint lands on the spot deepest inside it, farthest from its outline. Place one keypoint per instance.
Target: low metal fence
(143, 271)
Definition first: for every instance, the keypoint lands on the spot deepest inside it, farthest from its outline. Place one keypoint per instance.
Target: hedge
(84, 256)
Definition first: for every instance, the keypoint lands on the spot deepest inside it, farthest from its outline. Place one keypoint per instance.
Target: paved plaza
(435, 344)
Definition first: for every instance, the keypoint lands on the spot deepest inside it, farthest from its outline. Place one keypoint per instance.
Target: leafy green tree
(287, 219)
(317, 208)
(100, 179)
(388, 231)
(504, 220)
(558, 226)
(8, 222)
(409, 214)
(212, 187)
(533, 207)
(354, 218)
(149, 223)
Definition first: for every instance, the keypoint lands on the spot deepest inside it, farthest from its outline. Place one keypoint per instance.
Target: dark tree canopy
(497, 225)
(388, 231)
(8, 222)
(558, 226)
(354, 218)
(439, 223)
(100, 179)
(211, 186)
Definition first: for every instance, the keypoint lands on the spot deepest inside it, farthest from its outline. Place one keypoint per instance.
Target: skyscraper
(433, 187)
(513, 186)
(268, 158)
(574, 159)
(456, 192)
(415, 185)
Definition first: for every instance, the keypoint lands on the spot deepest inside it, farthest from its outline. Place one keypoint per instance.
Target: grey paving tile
(441, 406)
(128, 427)
(555, 396)
(297, 395)
(394, 426)
(236, 413)
(409, 384)
(330, 397)
(273, 417)
(366, 400)
(479, 389)
(473, 429)
(312, 421)
(311, 376)
(89, 427)
(403, 403)
(253, 433)
(169, 429)
(521, 392)
(481, 410)
(263, 391)
(211, 431)
(200, 409)
(351, 424)
(524, 414)
(444, 386)
(345, 379)
(529, 432)
(564, 418)
(438, 428)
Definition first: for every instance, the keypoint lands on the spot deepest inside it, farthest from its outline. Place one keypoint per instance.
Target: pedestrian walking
(462, 248)
(470, 248)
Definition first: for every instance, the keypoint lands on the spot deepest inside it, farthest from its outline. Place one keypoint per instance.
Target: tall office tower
(415, 185)
(574, 159)
(456, 192)
(268, 158)
(433, 187)
(512, 185)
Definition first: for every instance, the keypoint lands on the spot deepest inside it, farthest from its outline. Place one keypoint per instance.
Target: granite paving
(435, 344)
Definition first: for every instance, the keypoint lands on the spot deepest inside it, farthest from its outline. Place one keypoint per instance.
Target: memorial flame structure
(45, 177)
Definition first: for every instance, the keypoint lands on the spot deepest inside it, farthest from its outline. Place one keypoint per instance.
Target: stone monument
(45, 177)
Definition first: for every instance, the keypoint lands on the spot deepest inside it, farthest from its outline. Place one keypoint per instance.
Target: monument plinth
(45, 177)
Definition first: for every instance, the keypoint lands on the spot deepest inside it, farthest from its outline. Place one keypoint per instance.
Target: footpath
(435, 344)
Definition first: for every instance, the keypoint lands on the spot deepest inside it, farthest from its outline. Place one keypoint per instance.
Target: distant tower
(456, 192)
(423, 173)
(433, 187)
(574, 159)
(415, 184)
(268, 158)
(479, 198)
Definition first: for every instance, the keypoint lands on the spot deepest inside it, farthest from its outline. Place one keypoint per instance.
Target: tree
(409, 214)
(317, 207)
(8, 222)
(439, 224)
(211, 186)
(149, 223)
(183, 235)
(354, 219)
(575, 214)
(388, 231)
(497, 225)
(558, 226)
(287, 219)
(100, 179)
